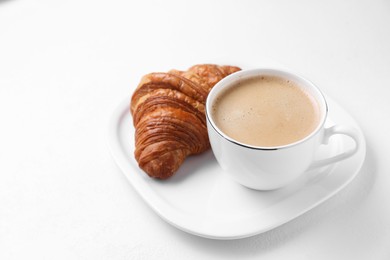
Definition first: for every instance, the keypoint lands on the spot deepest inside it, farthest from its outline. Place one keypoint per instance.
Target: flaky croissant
(169, 116)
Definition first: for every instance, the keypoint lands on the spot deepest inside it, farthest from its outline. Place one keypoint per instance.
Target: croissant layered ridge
(168, 112)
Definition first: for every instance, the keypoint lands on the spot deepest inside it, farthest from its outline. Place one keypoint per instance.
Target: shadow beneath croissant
(195, 163)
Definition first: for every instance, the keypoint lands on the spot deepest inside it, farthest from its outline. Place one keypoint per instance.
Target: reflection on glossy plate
(201, 200)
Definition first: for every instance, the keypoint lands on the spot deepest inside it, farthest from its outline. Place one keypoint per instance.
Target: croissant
(168, 112)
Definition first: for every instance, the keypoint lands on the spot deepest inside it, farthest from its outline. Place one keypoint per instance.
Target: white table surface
(65, 65)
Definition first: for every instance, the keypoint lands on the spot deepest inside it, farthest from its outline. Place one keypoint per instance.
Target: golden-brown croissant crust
(169, 116)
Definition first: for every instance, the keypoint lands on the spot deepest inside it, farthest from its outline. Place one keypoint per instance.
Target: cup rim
(265, 71)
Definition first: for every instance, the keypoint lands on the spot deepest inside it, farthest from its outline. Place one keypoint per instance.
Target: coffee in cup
(266, 111)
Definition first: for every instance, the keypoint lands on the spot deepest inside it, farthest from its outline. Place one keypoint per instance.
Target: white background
(65, 65)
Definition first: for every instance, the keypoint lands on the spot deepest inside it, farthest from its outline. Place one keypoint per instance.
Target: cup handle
(334, 130)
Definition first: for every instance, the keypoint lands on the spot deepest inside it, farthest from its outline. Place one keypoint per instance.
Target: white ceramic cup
(268, 168)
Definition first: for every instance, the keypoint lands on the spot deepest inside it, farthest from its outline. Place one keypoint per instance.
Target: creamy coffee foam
(266, 111)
